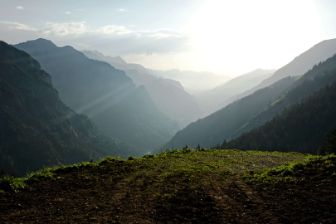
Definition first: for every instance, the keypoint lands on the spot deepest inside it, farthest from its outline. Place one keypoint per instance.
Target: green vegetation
(189, 163)
(11, 183)
(296, 171)
(220, 161)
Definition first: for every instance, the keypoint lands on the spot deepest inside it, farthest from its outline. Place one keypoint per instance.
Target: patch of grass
(192, 168)
(10, 183)
(188, 165)
(293, 171)
(232, 161)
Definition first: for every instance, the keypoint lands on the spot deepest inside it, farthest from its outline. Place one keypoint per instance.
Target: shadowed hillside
(36, 128)
(222, 124)
(256, 109)
(303, 127)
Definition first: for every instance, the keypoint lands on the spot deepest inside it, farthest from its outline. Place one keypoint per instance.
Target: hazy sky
(222, 36)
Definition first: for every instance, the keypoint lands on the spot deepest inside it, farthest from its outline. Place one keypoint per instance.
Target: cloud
(120, 40)
(14, 32)
(162, 34)
(68, 12)
(110, 39)
(122, 10)
(124, 41)
(19, 7)
(17, 26)
(65, 29)
(114, 30)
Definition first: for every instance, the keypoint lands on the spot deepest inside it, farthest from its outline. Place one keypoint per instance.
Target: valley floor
(218, 186)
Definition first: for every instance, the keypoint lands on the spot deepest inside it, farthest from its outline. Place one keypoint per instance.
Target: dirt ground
(113, 193)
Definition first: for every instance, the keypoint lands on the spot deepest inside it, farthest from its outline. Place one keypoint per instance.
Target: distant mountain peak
(43, 43)
(119, 59)
(304, 62)
(100, 56)
(258, 70)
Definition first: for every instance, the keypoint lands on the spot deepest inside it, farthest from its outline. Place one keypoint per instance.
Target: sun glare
(260, 33)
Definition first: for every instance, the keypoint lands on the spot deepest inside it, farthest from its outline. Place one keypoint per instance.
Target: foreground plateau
(187, 186)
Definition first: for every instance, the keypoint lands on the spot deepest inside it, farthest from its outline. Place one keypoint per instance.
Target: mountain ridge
(169, 95)
(94, 87)
(228, 125)
(303, 126)
(305, 61)
(224, 94)
(37, 129)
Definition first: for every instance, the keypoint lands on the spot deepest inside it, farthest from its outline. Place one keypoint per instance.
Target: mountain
(304, 62)
(217, 98)
(36, 128)
(223, 124)
(317, 78)
(83, 84)
(102, 92)
(169, 95)
(255, 110)
(116, 62)
(303, 127)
